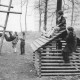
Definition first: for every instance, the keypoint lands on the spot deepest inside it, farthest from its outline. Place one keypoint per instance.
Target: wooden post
(26, 16)
(5, 5)
(45, 15)
(5, 26)
(72, 13)
(40, 13)
(21, 17)
(59, 7)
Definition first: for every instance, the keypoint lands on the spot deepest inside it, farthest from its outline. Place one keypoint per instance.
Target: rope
(25, 16)
(20, 17)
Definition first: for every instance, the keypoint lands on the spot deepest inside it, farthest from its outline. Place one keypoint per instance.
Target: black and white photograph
(39, 39)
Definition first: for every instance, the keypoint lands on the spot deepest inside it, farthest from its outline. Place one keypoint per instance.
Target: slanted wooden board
(43, 40)
(50, 58)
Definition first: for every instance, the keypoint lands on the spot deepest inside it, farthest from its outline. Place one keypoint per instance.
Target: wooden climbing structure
(6, 21)
(48, 59)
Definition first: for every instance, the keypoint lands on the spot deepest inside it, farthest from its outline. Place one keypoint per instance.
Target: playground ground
(14, 66)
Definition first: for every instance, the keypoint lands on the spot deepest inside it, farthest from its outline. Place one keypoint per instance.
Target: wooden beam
(5, 6)
(1, 26)
(5, 25)
(59, 7)
(5, 31)
(10, 12)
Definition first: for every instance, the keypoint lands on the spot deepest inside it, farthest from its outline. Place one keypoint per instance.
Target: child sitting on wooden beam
(61, 25)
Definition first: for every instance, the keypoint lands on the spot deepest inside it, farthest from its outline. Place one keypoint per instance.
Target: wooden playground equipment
(48, 60)
(7, 16)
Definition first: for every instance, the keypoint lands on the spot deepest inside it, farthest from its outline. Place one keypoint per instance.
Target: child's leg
(21, 48)
(65, 57)
(15, 50)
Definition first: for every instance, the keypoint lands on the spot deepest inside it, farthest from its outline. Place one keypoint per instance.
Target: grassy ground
(14, 66)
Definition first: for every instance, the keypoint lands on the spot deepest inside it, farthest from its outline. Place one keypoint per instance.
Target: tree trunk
(72, 13)
(20, 17)
(45, 15)
(59, 7)
(39, 15)
(25, 17)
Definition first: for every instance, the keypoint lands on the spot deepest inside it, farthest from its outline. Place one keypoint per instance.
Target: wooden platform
(40, 42)
(48, 59)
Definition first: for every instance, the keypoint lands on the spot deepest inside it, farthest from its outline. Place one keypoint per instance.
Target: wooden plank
(46, 39)
(5, 6)
(36, 44)
(63, 41)
(61, 53)
(43, 40)
(33, 47)
(40, 42)
(78, 47)
(59, 74)
(10, 12)
(63, 44)
(50, 47)
(71, 57)
(60, 64)
(52, 50)
(57, 67)
(49, 53)
(50, 60)
(60, 71)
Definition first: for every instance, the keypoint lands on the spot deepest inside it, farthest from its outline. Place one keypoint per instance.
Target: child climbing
(71, 45)
(61, 25)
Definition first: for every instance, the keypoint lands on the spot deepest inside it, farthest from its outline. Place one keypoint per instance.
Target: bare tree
(72, 12)
(20, 17)
(40, 15)
(45, 14)
(25, 16)
(39, 6)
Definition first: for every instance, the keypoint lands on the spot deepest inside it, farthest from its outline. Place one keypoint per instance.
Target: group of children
(15, 41)
(70, 38)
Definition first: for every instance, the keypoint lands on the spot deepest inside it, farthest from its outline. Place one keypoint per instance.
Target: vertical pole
(20, 17)
(40, 15)
(45, 15)
(25, 16)
(72, 13)
(7, 16)
(59, 7)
